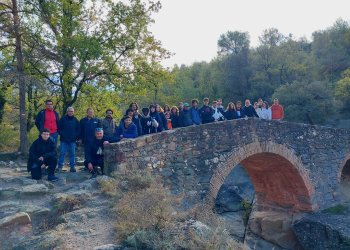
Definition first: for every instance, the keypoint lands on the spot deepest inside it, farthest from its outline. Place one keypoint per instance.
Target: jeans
(70, 146)
(54, 137)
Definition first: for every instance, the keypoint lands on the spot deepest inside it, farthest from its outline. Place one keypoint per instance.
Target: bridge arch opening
(277, 183)
(279, 179)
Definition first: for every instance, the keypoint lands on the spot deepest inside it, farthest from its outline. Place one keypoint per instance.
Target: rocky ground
(69, 214)
(74, 213)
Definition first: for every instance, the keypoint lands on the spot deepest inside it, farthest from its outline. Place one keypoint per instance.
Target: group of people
(94, 133)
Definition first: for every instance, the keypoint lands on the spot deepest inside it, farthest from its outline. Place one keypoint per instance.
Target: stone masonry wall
(289, 163)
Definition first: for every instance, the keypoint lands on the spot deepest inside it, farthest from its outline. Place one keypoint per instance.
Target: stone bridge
(292, 166)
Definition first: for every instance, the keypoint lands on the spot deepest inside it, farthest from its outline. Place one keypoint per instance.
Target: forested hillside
(310, 78)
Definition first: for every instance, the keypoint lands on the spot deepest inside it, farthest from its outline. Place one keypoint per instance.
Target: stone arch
(287, 187)
(344, 169)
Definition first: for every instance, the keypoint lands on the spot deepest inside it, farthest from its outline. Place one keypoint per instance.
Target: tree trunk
(23, 148)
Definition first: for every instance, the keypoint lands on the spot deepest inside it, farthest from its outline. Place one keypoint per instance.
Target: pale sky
(191, 28)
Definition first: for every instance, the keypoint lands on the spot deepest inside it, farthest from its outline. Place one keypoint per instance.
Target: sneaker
(73, 170)
(52, 178)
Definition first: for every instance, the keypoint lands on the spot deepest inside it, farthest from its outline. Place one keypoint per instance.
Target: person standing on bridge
(231, 112)
(265, 111)
(206, 112)
(126, 129)
(195, 115)
(218, 116)
(239, 111)
(248, 110)
(277, 110)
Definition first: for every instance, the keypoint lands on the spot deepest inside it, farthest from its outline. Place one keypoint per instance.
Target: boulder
(323, 231)
(34, 189)
(236, 189)
(15, 220)
(254, 242)
(234, 223)
(274, 227)
(109, 247)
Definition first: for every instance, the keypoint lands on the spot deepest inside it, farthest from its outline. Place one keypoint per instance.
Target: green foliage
(338, 209)
(247, 209)
(342, 90)
(233, 42)
(303, 101)
(74, 44)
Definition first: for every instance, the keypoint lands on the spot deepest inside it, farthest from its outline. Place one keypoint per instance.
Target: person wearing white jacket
(265, 112)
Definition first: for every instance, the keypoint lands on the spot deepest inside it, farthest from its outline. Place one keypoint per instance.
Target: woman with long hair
(231, 112)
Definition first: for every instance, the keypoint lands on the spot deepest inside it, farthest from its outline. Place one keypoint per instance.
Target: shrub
(65, 204)
(338, 209)
(149, 217)
(107, 186)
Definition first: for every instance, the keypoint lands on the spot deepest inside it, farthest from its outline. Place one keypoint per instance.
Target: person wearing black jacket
(248, 110)
(94, 157)
(174, 116)
(230, 112)
(146, 121)
(206, 112)
(164, 121)
(87, 129)
(69, 131)
(42, 153)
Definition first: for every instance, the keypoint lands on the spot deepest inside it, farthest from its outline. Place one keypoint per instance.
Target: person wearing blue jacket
(185, 116)
(69, 131)
(125, 130)
(196, 118)
(135, 119)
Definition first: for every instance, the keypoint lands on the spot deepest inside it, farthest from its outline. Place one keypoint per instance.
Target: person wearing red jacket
(48, 118)
(277, 110)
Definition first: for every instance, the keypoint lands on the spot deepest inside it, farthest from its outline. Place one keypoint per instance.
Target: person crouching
(94, 157)
(42, 153)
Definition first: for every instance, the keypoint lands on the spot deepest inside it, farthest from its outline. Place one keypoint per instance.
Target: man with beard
(94, 157)
(108, 124)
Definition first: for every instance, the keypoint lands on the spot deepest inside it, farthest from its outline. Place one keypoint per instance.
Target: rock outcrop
(323, 231)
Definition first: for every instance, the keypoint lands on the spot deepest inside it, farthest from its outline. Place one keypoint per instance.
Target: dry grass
(149, 217)
(108, 186)
(66, 204)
